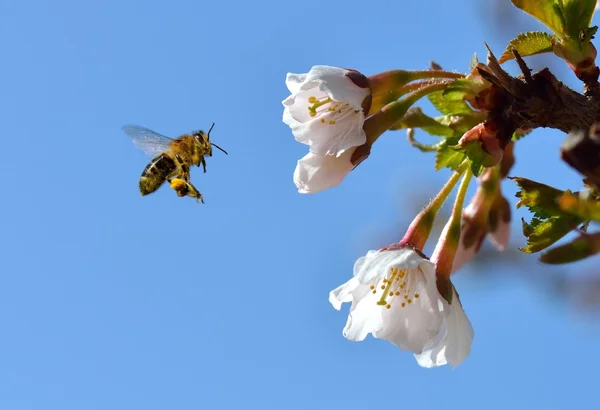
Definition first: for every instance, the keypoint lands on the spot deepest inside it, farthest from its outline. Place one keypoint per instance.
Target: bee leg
(204, 164)
(195, 193)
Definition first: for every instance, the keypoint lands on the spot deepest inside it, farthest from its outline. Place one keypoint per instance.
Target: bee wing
(150, 142)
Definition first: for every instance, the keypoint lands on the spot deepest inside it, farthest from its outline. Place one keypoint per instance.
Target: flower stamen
(399, 283)
(316, 104)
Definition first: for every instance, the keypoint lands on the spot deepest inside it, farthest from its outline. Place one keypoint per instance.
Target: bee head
(204, 139)
(201, 139)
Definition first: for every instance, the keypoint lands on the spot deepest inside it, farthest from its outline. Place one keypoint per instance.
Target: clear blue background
(110, 300)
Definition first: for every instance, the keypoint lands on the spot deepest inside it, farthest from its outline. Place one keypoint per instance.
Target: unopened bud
(481, 143)
(499, 222)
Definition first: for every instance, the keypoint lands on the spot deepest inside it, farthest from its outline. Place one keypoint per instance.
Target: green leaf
(459, 89)
(549, 222)
(546, 11)
(448, 106)
(577, 15)
(579, 248)
(543, 233)
(448, 157)
(478, 157)
(528, 44)
(539, 198)
(580, 205)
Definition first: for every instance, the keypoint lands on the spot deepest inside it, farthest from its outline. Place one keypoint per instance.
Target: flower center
(399, 285)
(336, 110)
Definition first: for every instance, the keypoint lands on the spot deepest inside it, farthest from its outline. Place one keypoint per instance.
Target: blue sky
(110, 300)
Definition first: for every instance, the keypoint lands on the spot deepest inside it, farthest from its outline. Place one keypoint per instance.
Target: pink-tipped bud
(481, 142)
(472, 232)
(499, 222)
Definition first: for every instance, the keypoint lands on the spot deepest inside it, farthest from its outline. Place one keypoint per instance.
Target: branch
(534, 101)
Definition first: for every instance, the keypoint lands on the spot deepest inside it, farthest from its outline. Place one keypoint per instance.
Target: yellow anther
(397, 293)
(316, 104)
(372, 287)
(323, 120)
(416, 296)
(332, 122)
(409, 300)
(382, 287)
(388, 306)
(403, 304)
(374, 292)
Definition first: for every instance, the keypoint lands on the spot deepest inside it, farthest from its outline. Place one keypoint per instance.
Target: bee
(171, 158)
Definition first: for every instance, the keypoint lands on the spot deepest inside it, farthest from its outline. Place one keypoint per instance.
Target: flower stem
(420, 228)
(383, 99)
(393, 112)
(443, 255)
(389, 81)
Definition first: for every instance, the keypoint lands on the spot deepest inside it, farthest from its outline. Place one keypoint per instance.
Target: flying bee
(171, 158)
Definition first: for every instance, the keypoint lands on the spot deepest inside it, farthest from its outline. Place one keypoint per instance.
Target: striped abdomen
(155, 173)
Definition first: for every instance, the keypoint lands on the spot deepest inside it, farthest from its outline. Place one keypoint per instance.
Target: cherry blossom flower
(394, 297)
(326, 110)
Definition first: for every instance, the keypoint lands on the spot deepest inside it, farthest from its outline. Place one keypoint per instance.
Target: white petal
(334, 82)
(364, 317)
(410, 327)
(294, 81)
(316, 173)
(343, 293)
(376, 262)
(453, 343)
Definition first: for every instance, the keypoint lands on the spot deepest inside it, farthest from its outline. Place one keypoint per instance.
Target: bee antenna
(211, 127)
(215, 145)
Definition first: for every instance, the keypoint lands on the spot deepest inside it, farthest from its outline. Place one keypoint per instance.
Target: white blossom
(394, 297)
(325, 109)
